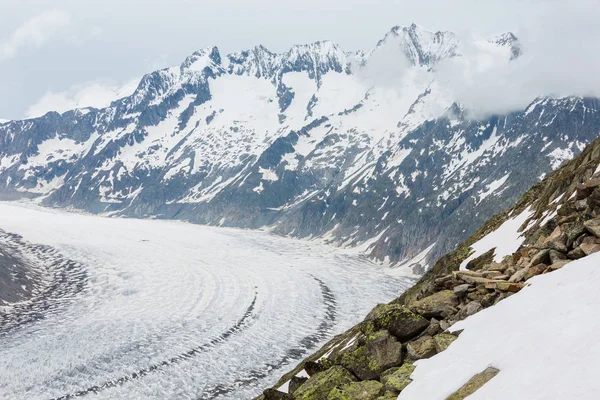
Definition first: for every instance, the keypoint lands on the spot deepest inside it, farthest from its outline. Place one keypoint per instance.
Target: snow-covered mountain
(363, 149)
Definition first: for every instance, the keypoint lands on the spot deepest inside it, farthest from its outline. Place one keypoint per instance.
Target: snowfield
(543, 341)
(174, 310)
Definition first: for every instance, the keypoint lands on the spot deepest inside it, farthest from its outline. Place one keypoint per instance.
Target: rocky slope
(364, 149)
(555, 222)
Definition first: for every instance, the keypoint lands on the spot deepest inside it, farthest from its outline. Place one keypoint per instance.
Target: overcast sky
(51, 49)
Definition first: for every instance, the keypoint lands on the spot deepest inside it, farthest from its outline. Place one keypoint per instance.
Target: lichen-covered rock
(443, 340)
(321, 384)
(365, 390)
(398, 320)
(295, 383)
(593, 226)
(485, 259)
(272, 394)
(424, 347)
(438, 305)
(475, 383)
(369, 356)
(397, 379)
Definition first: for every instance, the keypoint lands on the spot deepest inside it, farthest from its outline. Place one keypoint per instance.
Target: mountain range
(370, 150)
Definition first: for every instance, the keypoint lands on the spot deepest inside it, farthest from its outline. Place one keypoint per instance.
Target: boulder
(542, 257)
(462, 290)
(479, 262)
(368, 357)
(438, 305)
(500, 267)
(590, 248)
(397, 379)
(556, 256)
(474, 384)
(576, 253)
(471, 308)
(509, 287)
(433, 328)
(312, 367)
(272, 394)
(366, 390)
(535, 270)
(443, 340)
(295, 383)
(593, 226)
(321, 384)
(398, 320)
(424, 347)
(559, 264)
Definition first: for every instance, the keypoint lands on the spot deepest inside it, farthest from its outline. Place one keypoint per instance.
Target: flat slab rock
(474, 384)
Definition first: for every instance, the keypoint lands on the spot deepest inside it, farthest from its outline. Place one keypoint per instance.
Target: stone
(471, 308)
(576, 253)
(398, 320)
(424, 347)
(433, 328)
(519, 276)
(556, 256)
(312, 367)
(368, 357)
(479, 262)
(474, 384)
(365, 390)
(295, 383)
(500, 267)
(488, 299)
(397, 379)
(593, 226)
(509, 287)
(272, 394)
(559, 264)
(535, 270)
(321, 384)
(585, 189)
(543, 257)
(445, 325)
(443, 340)
(438, 305)
(462, 290)
(590, 248)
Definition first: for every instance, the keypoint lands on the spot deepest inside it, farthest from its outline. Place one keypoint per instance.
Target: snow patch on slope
(541, 340)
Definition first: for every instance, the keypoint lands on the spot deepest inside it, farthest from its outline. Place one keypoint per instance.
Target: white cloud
(34, 32)
(560, 58)
(92, 94)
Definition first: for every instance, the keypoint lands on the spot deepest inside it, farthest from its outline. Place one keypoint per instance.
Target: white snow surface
(542, 340)
(243, 302)
(506, 239)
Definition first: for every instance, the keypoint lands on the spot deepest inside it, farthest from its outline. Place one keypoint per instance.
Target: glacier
(168, 309)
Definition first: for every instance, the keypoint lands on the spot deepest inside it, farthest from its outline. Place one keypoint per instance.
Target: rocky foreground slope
(366, 149)
(555, 222)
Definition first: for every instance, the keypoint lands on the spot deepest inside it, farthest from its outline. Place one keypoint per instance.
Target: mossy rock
(443, 340)
(397, 379)
(479, 262)
(439, 305)
(474, 384)
(321, 384)
(370, 355)
(422, 348)
(365, 390)
(398, 320)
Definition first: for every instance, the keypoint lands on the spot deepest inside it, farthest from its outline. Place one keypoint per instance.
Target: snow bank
(542, 340)
(506, 239)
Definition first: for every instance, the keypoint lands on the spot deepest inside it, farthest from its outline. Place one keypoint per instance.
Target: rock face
(560, 224)
(302, 144)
